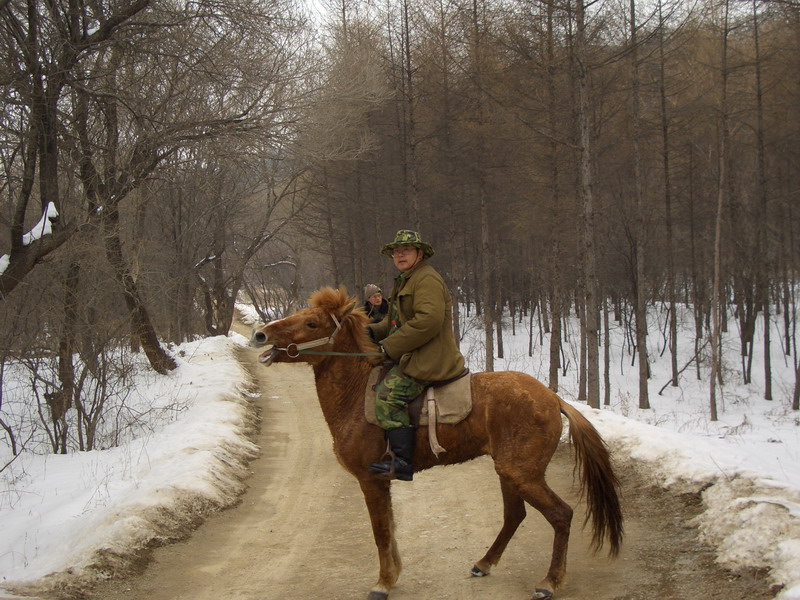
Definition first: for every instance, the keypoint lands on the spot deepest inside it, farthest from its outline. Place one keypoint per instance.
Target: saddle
(448, 402)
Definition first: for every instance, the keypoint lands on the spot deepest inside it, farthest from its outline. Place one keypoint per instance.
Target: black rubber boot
(400, 455)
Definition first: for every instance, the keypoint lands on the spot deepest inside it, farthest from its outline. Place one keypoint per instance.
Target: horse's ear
(347, 308)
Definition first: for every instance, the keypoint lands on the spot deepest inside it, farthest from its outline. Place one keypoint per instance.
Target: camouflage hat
(406, 237)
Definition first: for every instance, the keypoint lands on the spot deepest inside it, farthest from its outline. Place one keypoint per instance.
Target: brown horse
(514, 418)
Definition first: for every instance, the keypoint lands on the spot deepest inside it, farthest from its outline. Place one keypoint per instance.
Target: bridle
(294, 350)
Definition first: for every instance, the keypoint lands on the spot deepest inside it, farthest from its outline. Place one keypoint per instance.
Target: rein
(294, 350)
(321, 353)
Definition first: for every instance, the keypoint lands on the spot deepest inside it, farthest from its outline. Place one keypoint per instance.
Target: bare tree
(582, 59)
(525, 129)
(133, 85)
(765, 271)
(668, 195)
(46, 45)
(722, 178)
(250, 210)
(478, 66)
(640, 235)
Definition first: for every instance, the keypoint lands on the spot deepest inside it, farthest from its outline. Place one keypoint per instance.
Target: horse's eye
(311, 325)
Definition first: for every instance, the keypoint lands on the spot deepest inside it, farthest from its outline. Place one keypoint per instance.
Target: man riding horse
(417, 338)
(514, 418)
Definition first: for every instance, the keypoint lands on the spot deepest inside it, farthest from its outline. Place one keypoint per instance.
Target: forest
(162, 160)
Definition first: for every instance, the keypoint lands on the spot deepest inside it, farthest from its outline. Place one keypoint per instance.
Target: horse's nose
(259, 338)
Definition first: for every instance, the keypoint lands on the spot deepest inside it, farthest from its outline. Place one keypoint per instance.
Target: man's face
(375, 298)
(405, 257)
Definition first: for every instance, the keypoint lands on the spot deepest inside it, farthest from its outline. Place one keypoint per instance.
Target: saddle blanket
(453, 400)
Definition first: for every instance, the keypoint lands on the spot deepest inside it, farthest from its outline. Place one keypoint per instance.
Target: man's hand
(379, 360)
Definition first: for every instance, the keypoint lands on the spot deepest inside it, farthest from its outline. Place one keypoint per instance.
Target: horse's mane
(330, 299)
(354, 320)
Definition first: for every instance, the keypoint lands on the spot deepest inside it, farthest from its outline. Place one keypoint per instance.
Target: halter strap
(294, 350)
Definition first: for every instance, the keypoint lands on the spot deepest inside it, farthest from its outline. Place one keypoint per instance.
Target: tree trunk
(606, 356)
(722, 183)
(499, 333)
(498, 305)
(357, 282)
(412, 186)
(555, 338)
(697, 299)
(587, 202)
(555, 289)
(455, 281)
(582, 368)
(453, 255)
(530, 330)
(640, 236)
(142, 329)
(337, 277)
(487, 299)
(60, 401)
(787, 341)
(765, 271)
(665, 159)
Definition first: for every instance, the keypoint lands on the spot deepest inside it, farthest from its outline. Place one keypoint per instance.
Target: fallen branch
(686, 366)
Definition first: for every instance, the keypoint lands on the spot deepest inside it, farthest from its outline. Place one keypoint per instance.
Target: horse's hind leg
(513, 515)
(559, 514)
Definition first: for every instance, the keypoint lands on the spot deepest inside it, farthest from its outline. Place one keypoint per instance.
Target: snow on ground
(747, 463)
(59, 511)
(62, 512)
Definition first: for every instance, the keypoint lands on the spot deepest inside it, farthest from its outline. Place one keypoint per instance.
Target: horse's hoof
(476, 572)
(373, 595)
(541, 594)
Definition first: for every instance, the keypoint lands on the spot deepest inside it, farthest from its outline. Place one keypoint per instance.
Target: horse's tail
(599, 484)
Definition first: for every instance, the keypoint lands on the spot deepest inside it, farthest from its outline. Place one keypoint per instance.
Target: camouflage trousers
(393, 394)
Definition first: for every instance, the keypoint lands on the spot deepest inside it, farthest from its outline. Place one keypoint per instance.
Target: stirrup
(387, 457)
(392, 473)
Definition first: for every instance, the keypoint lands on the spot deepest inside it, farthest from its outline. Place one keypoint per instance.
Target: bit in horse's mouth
(267, 357)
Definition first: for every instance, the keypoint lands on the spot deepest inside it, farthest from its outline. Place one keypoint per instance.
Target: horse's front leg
(379, 504)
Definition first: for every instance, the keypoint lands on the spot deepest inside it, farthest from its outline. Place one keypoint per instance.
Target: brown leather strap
(433, 440)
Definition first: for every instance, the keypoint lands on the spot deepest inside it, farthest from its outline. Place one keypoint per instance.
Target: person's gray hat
(370, 289)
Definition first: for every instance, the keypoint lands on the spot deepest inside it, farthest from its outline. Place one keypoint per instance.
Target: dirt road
(302, 531)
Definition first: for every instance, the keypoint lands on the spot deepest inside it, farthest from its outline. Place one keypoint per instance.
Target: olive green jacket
(424, 343)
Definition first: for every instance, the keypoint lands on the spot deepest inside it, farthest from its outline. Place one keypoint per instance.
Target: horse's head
(329, 317)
